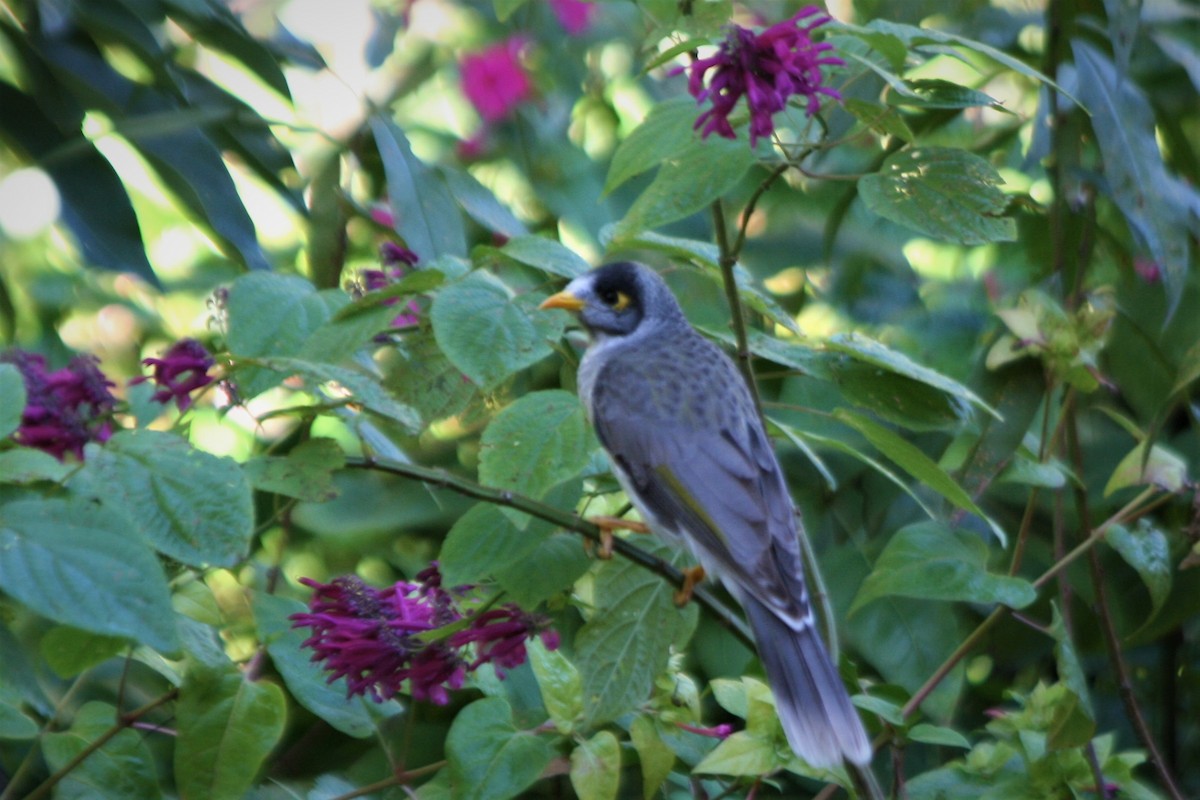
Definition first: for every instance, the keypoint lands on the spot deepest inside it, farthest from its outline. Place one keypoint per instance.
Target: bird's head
(617, 299)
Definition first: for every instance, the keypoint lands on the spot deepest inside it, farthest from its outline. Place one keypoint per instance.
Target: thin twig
(563, 519)
(399, 779)
(124, 722)
(1111, 640)
(727, 261)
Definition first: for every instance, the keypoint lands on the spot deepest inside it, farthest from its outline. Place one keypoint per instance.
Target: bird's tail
(821, 724)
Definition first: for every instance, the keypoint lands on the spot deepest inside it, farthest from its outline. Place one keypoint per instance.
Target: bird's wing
(722, 487)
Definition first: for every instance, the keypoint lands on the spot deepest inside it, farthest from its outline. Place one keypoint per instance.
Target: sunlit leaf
(305, 473)
(596, 767)
(664, 132)
(1162, 468)
(545, 254)
(562, 689)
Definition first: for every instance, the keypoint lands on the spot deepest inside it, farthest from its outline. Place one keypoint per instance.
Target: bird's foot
(607, 525)
(691, 579)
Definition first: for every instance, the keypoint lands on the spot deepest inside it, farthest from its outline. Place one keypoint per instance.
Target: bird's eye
(617, 301)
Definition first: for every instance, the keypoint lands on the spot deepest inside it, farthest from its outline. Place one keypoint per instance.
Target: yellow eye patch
(622, 302)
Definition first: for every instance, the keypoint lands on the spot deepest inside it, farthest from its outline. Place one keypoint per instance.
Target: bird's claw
(691, 579)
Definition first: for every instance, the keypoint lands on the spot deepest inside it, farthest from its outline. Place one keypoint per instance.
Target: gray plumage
(687, 444)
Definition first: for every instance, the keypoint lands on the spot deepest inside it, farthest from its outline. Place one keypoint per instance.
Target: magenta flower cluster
(767, 68)
(379, 639)
(182, 370)
(66, 408)
(396, 262)
(494, 81)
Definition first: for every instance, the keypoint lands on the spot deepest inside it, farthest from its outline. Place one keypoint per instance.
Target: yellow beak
(564, 300)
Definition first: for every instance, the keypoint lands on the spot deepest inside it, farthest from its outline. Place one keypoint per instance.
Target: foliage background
(968, 306)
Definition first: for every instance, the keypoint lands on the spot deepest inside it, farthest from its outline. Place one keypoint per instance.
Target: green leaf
(424, 379)
(487, 540)
(559, 681)
(489, 334)
(122, 768)
(688, 181)
(95, 205)
(425, 213)
(193, 506)
(351, 385)
(24, 465)
(536, 443)
(326, 222)
(876, 354)
(938, 93)
(1149, 553)
(80, 564)
(483, 206)
(909, 458)
(274, 315)
(15, 724)
(1136, 175)
(220, 28)
(938, 735)
(596, 767)
(490, 758)
(305, 473)
(664, 133)
(941, 192)
(1070, 669)
(742, 753)
(1162, 468)
(931, 562)
(879, 118)
(655, 756)
(69, 651)
(546, 254)
(12, 399)
(305, 679)
(227, 727)
(506, 8)
(550, 568)
(625, 644)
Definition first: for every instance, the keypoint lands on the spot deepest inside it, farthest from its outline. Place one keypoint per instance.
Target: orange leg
(691, 578)
(609, 524)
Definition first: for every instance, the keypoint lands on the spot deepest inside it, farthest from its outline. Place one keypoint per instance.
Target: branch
(564, 519)
(1112, 641)
(123, 722)
(727, 261)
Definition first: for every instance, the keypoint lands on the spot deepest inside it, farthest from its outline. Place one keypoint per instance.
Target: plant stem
(399, 779)
(727, 261)
(563, 519)
(1111, 640)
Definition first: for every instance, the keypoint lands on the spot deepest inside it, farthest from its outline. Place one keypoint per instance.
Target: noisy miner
(688, 446)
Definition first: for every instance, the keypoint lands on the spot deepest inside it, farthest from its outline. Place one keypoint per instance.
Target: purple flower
(372, 637)
(499, 637)
(64, 409)
(767, 68)
(368, 637)
(494, 81)
(575, 16)
(182, 370)
(397, 262)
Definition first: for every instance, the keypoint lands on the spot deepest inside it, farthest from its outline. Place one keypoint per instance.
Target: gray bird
(688, 446)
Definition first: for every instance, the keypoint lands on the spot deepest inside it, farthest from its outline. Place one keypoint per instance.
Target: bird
(687, 444)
